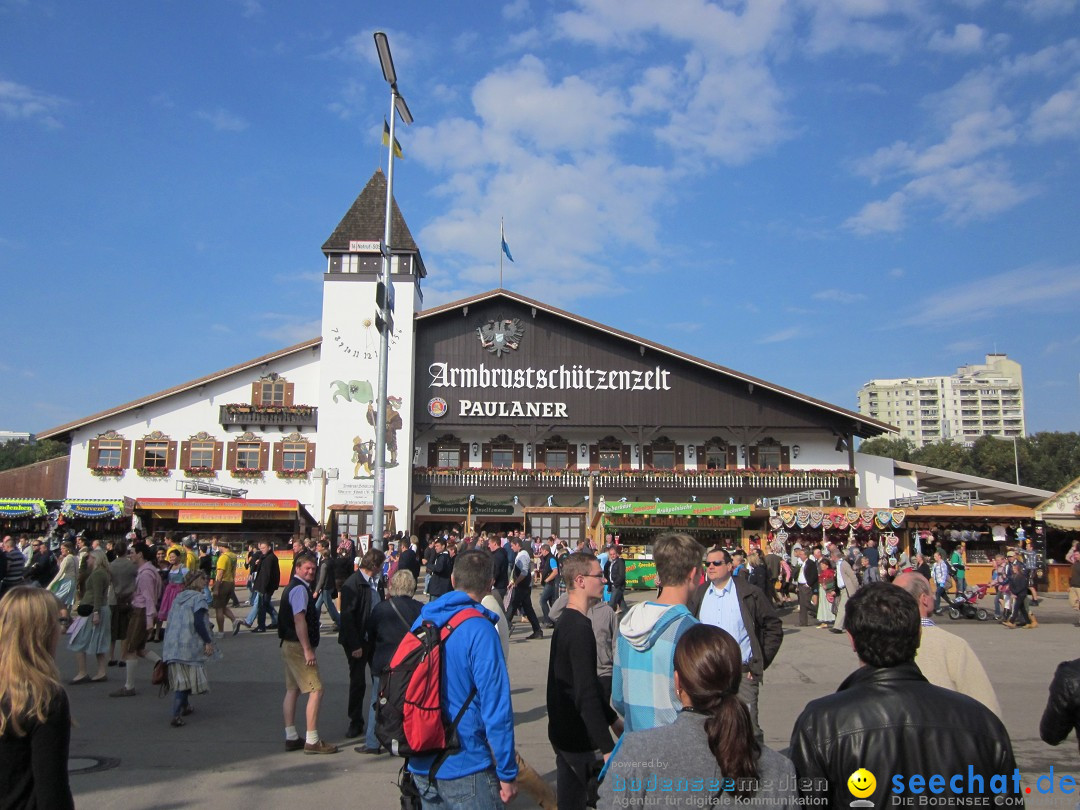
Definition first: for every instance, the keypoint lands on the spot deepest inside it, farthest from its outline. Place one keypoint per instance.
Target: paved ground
(231, 752)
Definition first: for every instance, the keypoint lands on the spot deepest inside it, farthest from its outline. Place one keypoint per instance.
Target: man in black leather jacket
(888, 719)
(1062, 713)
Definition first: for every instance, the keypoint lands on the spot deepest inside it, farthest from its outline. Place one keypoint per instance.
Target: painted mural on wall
(361, 392)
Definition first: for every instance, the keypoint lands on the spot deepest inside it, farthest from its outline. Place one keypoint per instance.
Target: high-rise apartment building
(979, 399)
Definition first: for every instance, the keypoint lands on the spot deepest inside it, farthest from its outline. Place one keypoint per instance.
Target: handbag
(85, 610)
(160, 674)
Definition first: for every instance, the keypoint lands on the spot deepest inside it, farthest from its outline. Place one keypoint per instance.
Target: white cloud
(515, 10)
(1059, 115)
(222, 120)
(790, 333)
(896, 272)
(966, 38)
(862, 26)
(1057, 345)
(1042, 10)
(288, 329)
(880, 216)
(21, 103)
(839, 296)
(1036, 288)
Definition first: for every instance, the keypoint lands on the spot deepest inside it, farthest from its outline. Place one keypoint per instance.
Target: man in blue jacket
(481, 774)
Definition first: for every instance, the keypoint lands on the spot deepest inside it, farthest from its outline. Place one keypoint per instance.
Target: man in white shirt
(846, 585)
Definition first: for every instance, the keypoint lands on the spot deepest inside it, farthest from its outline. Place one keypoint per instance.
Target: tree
(945, 455)
(20, 452)
(889, 447)
(1052, 460)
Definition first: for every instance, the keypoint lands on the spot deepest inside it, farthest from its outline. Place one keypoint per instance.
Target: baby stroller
(966, 604)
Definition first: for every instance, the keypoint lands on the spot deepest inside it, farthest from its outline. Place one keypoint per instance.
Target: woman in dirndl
(174, 584)
(188, 643)
(826, 594)
(92, 632)
(63, 584)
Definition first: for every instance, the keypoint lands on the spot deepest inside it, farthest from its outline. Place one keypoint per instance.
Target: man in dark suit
(500, 568)
(409, 560)
(731, 603)
(806, 581)
(267, 581)
(359, 594)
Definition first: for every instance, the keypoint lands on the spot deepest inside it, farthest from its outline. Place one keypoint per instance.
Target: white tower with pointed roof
(350, 360)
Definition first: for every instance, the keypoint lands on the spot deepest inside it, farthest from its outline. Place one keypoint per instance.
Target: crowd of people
(658, 700)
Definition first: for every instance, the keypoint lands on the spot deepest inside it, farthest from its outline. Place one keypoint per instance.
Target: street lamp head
(402, 108)
(382, 44)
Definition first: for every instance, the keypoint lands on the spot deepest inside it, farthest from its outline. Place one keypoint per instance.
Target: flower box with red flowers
(292, 473)
(153, 472)
(108, 472)
(200, 472)
(246, 473)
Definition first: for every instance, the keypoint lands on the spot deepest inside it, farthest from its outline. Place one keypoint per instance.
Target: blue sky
(814, 193)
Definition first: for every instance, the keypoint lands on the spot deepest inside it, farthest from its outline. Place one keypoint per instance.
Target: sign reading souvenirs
(501, 336)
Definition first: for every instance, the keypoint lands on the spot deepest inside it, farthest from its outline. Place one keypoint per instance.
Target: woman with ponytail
(708, 756)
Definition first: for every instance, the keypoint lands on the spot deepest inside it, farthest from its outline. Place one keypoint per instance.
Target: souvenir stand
(634, 525)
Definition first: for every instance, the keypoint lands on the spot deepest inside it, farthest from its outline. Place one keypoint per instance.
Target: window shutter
(309, 458)
(680, 457)
(279, 455)
(125, 454)
(465, 459)
(785, 457)
(185, 455)
(140, 453)
(646, 456)
(540, 457)
(751, 457)
(256, 394)
(519, 456)
(231, 456)
(733, 457)
(218, 447)
(264, 456)
(433, 454)
(485, 454)
(625, 458)
(702, 461)
(92, 454)
(594, 456)
(170, 457)
(289, 387)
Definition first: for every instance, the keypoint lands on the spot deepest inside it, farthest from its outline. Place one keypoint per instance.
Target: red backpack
(409, 717)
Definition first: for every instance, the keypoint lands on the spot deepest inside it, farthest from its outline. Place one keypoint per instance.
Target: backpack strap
(445, 632)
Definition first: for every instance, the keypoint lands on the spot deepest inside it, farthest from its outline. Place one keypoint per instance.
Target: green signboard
(477, 508)
(678, 509)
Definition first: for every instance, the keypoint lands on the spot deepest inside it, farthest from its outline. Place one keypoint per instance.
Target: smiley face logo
(862, 783)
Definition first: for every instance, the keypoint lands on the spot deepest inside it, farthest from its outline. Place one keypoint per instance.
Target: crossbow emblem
(500, 336)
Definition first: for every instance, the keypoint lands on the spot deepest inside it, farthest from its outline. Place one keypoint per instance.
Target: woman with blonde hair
(35, 720)
(92, 630)
(188, 643)
(63, 584)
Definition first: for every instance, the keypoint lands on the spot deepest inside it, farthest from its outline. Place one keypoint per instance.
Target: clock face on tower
(360, 341)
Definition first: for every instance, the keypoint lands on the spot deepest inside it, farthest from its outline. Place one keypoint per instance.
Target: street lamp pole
(385, 302)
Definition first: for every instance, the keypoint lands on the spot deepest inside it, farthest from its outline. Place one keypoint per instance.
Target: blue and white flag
(505, 247)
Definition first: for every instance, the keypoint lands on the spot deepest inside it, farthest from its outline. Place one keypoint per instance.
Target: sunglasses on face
(712, 563)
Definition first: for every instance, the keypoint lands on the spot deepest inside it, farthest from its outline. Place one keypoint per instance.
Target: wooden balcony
(248, 416)
(744, 485)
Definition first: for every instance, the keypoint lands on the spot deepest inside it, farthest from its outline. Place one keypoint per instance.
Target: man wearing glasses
(743, 610)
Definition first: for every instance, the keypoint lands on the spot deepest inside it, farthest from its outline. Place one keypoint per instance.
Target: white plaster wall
(183, 414)
(878, 484)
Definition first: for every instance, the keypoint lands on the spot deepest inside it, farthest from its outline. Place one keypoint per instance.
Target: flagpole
(502, 239)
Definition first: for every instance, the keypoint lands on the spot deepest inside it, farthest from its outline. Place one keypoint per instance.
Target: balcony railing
(729, 480)
(275, 415)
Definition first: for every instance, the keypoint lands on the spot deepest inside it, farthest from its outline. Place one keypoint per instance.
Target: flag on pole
(505, 247)
(386, 141)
